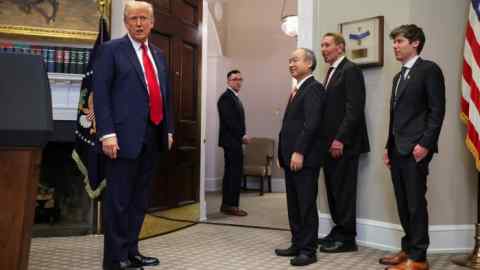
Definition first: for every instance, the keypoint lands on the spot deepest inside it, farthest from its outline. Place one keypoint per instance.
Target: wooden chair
(258, 161)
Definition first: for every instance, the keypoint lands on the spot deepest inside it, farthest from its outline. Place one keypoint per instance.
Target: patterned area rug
(206, 247)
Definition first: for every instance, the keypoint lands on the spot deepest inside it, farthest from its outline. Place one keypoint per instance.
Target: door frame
(208, 22)
(203, 109)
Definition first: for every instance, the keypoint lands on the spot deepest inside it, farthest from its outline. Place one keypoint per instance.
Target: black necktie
(401, 83)
(325, 81)
(401, 80)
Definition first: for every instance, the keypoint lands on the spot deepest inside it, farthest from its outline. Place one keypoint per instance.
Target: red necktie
(293, 94)
(156, 102)
(325, 82)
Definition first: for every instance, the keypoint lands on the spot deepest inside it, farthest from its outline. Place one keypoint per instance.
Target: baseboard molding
(383, 235)
(387, 236)
(215, 184)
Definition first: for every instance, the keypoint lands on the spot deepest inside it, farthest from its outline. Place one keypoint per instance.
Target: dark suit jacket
(121, 99)
(301, 126)
(417, 116)
(232, 120)
(344, 117)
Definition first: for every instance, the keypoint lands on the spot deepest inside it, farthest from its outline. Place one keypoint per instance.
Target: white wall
(255, 45)
(118, 29)
(452, 182)
(453, 179)
(217, 64)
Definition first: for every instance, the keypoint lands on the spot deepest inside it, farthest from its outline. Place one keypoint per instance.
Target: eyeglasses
(236, 79)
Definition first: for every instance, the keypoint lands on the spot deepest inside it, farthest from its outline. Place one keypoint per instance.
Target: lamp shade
(290, 25)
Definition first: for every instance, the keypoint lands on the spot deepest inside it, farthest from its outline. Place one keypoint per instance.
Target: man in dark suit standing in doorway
(345, 129)
(300, 151)
(417, 109)
(231, 137)
(134, 121)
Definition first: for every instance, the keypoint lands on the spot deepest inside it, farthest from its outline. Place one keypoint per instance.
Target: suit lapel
(132, 55)
(402, 88)
(159, 65)
(394, 86)
(299, 93)
(238, 103)
(301, 90)
(336, 73)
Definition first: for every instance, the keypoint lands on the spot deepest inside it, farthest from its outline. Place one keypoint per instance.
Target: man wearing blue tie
(134, 121)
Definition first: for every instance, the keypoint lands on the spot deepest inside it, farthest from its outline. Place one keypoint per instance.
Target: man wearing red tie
(134, 122)
(345, 130)
(300, 150)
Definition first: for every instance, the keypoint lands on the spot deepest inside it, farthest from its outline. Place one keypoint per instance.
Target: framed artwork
(67, 20)
(364, 41)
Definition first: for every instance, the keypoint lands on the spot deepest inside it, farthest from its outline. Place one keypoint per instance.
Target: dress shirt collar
(234, 92)
(409, 64)
(136, 45)
(337, 62)
(299, 84)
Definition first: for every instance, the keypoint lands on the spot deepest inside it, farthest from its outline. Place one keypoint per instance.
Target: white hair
(137, 4)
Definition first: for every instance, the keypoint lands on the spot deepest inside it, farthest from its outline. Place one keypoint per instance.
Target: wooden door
(177, 32)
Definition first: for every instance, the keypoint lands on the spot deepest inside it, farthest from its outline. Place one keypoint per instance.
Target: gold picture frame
(364, 41)
(61, 20)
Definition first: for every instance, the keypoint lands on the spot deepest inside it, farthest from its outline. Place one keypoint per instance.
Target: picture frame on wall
(364, 41)
(66, 20)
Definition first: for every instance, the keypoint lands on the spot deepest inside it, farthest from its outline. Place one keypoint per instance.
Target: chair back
(259, 151)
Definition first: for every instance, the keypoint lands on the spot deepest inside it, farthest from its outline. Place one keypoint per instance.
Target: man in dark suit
(300, 153)
(134, 121)
(417, 109)
(345, 129)
(232, 135)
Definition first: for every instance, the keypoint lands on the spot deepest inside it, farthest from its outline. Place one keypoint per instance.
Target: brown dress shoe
(398, 258)
(409, 265)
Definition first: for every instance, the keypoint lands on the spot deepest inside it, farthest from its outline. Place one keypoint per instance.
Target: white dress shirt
(299, 84)
(409, 64)
(137, 46)
(334, 66)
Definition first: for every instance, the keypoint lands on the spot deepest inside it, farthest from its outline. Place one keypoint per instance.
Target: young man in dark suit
(345, 129)
(417, 109)
(300, 154)
(231, 137)
(134, 121)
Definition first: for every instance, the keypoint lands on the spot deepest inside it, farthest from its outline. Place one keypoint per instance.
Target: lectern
(25, 125)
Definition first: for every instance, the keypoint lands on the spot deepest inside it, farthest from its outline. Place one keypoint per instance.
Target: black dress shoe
(140, 260)
(339, 246)
(288, 252)
(327, 240)
(303, 259)
(123, 265)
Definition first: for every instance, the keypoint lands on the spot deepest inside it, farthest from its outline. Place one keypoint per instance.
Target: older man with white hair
(133, 123)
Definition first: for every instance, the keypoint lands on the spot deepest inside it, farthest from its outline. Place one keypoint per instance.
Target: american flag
(470, 102)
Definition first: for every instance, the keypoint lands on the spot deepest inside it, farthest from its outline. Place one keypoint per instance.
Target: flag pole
(102, 4)
(99, 217)
(472, 260)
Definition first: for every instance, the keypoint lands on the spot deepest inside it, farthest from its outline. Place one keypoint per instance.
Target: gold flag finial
(102, 4)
